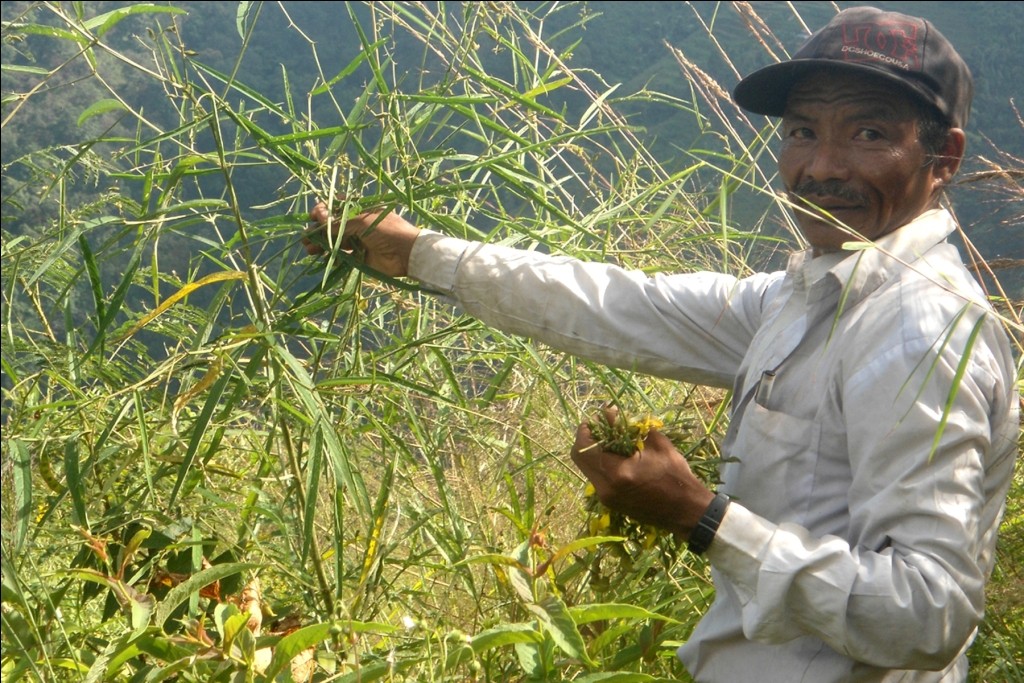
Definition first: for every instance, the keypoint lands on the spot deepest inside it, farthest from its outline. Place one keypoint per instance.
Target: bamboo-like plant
(224, 461)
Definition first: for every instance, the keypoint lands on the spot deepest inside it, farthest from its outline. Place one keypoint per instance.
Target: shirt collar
(862, 271)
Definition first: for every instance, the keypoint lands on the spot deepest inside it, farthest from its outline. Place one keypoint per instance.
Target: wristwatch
(707, 526)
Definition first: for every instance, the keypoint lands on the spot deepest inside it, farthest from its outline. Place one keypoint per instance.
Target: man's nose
(827, 161)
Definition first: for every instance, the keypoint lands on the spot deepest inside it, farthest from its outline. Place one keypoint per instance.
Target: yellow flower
(600, 524)
(643, 427)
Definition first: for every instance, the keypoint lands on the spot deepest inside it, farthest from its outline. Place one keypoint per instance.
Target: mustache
(814, 191)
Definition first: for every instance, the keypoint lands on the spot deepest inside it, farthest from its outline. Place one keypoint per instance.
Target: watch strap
(702, 535)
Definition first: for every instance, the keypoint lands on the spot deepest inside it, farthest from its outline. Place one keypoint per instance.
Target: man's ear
(947, 162)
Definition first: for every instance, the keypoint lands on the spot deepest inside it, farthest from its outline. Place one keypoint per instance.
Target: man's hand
(653, 486)
(381, 241)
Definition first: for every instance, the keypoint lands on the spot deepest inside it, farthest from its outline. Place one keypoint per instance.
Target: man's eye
(868, 135)
(801, 133)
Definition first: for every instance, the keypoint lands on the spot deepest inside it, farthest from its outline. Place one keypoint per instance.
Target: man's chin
(824, 235)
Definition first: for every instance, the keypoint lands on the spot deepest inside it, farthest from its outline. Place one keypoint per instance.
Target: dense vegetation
(225, 461)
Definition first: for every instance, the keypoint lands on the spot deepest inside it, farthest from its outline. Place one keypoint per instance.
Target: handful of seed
(626, 435)
(623, 435)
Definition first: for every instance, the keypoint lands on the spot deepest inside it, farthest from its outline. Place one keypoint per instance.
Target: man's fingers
(583, 441)
(319, 214)
(315, 238)
(312, 248)
(659, 441)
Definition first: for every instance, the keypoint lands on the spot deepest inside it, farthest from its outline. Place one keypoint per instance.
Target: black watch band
(707, 527)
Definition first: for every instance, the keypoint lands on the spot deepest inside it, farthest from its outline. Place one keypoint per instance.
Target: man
(874, 422)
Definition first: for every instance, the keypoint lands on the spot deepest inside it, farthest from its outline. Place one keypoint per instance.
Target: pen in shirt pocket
(764, 388)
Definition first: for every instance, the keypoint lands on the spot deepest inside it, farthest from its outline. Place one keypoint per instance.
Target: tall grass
(225, 461)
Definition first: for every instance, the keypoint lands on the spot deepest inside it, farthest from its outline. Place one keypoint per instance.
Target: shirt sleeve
(694, 327)
(931, 458)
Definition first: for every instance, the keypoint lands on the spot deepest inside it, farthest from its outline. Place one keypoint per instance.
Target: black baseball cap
(904, 50)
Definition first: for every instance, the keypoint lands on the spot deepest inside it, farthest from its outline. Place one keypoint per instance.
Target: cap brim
(766, 91)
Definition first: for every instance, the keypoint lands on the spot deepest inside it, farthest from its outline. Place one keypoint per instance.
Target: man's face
(850, 148)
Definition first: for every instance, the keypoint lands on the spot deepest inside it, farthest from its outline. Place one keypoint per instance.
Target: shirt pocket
(774, 471)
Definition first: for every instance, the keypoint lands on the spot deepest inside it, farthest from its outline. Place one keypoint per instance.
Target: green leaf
(140, 605)
(52, 32)
(506, 634)
(253, 94)
(621, 677)
(230, 622)
(315, 467)
(55, 253)
(199, 430)
(185, 290)
(545, 88)
(294, 643)
(557, 622)
(495, 559)
(184, 165)
(75, 484)
(93, 271)
(157, 645)
(104, 22)
(301, 382)
(118, 653)
(17, 68)
(117, 300)
(22, 492)
(518, 578)
(584, 543)
(241, 14)
(101, 107)
(137, 539)
(180, 593)
(961, 369)
(352, 66)
(583, 614)
(531, 659)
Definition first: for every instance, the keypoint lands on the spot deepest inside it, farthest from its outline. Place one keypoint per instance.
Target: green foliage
(223, 461)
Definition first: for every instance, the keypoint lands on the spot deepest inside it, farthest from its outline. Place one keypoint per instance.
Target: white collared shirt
(869, 483)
